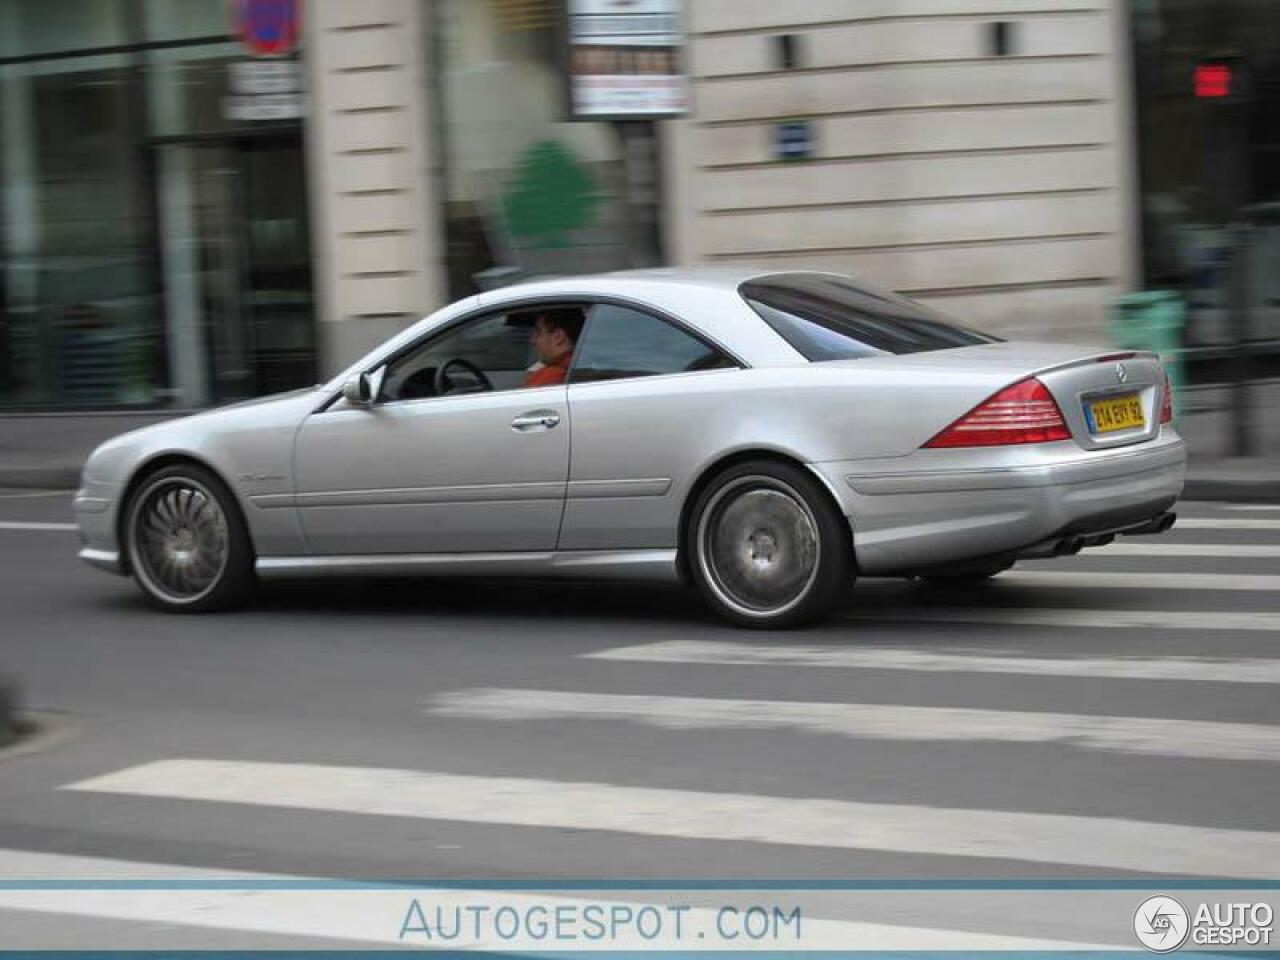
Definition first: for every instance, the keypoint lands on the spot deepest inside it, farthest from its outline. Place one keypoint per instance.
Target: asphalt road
(1107, 716)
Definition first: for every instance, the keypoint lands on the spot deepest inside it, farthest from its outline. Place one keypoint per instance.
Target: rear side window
(830, 318)
(620, 343)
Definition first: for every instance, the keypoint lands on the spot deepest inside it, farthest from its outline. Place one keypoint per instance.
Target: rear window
(829, 318)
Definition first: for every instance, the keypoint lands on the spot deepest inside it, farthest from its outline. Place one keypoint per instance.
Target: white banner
(223, 910)
(626, 58)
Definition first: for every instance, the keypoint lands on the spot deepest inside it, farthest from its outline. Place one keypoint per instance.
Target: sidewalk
(47, 450)
(1213, 474)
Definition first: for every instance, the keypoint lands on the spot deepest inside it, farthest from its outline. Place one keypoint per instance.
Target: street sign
(625, 59)
(264, 90)
(793, 140)
(268, 28)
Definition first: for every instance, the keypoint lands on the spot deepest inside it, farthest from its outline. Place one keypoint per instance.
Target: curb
(1232, 491)
(9, 726)
(55, 477)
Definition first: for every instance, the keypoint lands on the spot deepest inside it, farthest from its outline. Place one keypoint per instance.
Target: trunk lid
(1079, 377)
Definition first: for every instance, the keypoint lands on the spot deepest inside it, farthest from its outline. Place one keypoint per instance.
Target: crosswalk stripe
(32, 525)
(290, 906)
(1095, 842)
(1093, 580)
(726, 653)
(1256, 550)
(1114, 734)
(1227, 523)
(1267, 621)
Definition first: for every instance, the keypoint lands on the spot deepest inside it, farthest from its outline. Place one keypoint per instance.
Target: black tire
(186, 541)
(766, 547)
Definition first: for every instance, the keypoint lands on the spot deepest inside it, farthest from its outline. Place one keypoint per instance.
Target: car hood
(206, 435)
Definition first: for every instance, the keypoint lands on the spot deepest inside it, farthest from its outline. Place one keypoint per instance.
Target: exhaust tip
(1069, 546)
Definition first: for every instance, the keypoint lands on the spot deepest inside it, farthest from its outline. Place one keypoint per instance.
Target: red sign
(1212, 80)
(269, 28)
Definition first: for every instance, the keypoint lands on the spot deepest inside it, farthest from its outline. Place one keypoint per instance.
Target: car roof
(716, 277)
(706, 298)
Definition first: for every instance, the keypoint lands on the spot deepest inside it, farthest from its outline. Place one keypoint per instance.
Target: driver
(555, 334)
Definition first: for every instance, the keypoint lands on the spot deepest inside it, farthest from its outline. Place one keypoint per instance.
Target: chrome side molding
(617, 564)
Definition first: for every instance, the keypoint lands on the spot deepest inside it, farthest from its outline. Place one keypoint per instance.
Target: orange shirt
(552, 373)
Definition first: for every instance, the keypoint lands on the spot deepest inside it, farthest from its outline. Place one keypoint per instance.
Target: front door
(456, 455)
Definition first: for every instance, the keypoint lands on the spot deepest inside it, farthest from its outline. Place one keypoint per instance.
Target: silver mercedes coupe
(765, 437)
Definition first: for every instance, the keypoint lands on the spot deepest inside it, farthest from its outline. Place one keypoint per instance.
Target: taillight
(1166, 405)
(1023, 413)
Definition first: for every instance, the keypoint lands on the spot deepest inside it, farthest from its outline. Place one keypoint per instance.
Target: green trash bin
(1153, 320)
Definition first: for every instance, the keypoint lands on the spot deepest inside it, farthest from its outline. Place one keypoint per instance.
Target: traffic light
(1221, 80)
(1212, 80)
(1221, 87)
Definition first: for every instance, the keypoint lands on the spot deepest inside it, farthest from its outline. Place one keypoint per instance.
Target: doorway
(236, 258)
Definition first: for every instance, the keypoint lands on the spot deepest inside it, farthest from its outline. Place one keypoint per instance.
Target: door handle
(535, 420)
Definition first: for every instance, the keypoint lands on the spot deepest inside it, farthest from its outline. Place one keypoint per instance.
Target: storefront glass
(153, 248)
(80, 325)
(1209, 161)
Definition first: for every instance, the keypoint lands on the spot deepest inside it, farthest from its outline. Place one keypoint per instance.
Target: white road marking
(1220, 670)
(1133, 549)
(1227, 523)
(1250, 507)
(1095, 842)
(1094, 580)
(26, 525)
(1267, 621)
(1145, 736)
(289, 906)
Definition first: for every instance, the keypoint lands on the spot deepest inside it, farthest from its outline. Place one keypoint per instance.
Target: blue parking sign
(793, 140)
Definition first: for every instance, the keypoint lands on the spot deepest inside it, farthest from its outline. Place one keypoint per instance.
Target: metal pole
(1242, 432)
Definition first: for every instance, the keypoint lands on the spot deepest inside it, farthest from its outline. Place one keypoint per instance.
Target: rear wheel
(766, 547)
(187, 542)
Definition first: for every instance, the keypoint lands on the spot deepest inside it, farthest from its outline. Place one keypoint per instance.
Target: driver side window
(492, 352)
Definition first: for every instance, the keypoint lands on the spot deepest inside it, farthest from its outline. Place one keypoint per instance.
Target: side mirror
(358, 391)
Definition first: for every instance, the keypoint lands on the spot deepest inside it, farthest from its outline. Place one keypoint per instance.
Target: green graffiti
(553, 194)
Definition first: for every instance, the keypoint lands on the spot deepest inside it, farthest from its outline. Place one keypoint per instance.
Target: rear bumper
(942, 506)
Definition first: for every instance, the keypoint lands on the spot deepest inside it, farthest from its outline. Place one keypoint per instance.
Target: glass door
(277, 306)
(237, 265)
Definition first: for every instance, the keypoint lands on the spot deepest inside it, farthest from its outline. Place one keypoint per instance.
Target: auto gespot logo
(1162, 924)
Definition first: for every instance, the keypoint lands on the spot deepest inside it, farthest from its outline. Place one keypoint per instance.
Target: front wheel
(187, 542)
(766, 547)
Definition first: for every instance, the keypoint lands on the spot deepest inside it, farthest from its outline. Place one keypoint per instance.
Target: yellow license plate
(1116, 413)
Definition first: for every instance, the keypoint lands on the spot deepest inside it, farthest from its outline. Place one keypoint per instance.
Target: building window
(527, 192)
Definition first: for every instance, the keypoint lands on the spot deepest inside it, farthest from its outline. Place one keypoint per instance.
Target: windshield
(829, 318)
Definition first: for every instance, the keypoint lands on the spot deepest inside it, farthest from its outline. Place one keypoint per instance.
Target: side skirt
(588, 564)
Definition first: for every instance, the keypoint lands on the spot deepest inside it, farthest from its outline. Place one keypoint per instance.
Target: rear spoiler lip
(1088, 353)
(1100, 357)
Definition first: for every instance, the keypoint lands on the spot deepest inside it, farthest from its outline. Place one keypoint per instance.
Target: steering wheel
(444, 385)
